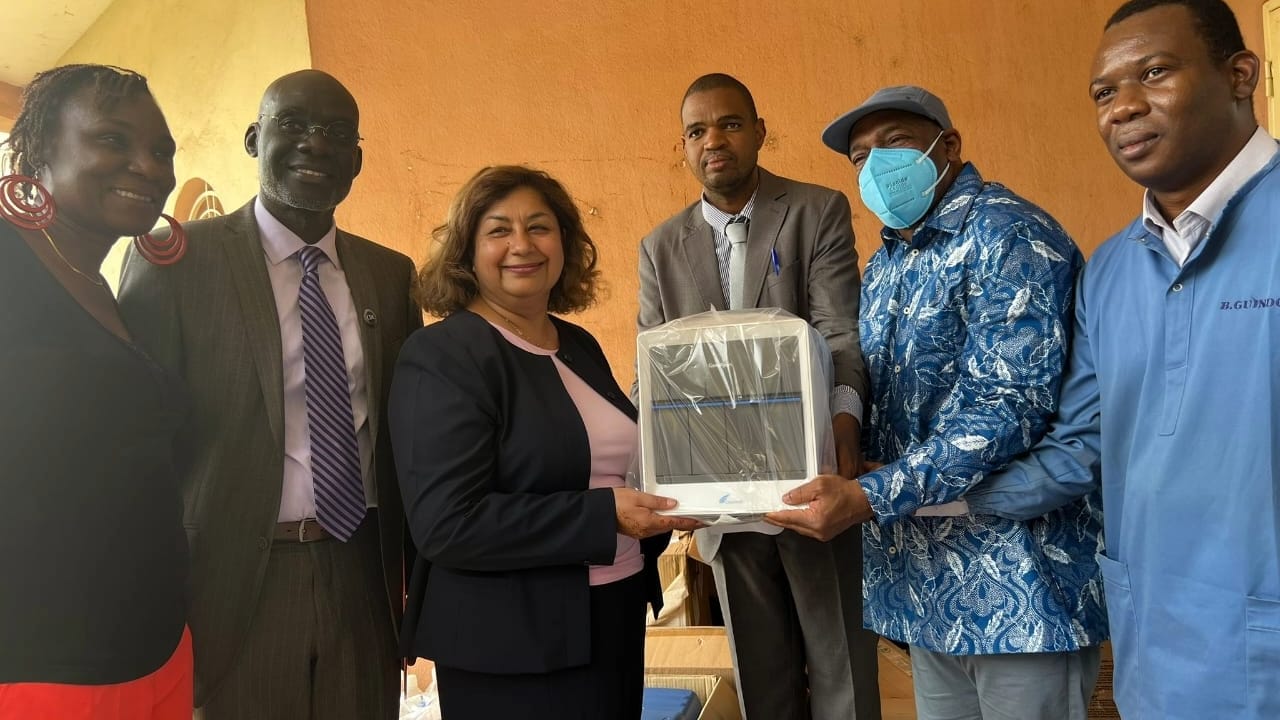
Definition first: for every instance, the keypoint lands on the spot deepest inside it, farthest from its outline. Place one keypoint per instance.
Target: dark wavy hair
(36, 129)
(447, 282)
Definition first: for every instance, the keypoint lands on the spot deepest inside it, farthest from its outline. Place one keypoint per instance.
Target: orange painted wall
(10, 102)
(589, 90)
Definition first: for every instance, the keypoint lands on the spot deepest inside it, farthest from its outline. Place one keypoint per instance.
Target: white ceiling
(34, 34)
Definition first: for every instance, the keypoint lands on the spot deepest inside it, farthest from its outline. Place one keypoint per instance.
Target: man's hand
(835, 505)
(848, 438)
(637, 517)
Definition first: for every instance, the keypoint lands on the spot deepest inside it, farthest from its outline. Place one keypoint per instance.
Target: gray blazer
(817, 279)
(212, 318)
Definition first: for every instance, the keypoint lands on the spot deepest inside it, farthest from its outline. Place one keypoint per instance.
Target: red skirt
(163, 695)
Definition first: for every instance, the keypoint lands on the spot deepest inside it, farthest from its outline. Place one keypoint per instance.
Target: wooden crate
(719, 701)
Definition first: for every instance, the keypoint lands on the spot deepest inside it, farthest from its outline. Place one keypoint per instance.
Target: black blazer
(494, 464)
(212, 319)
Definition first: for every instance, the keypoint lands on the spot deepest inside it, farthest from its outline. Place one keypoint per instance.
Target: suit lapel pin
(370, 317)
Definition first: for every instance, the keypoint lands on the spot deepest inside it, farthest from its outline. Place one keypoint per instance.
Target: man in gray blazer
(286, 330)
(800, 647)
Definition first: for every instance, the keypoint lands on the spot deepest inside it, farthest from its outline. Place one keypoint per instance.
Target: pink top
(613, 439)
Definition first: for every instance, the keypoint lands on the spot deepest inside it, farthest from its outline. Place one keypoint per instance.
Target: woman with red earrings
(92, 548)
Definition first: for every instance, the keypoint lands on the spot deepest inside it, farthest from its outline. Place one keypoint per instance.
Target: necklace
(99, 281)
(513, 325)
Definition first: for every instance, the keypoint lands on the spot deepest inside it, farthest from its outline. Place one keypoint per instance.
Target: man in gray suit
(286, 330)
(800, 647)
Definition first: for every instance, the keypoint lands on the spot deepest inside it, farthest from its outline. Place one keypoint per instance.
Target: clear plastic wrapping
(734, 411)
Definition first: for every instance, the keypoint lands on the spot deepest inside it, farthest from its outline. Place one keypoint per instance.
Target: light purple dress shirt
(280, 246)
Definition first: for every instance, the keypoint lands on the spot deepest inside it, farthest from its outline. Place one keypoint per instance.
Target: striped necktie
(335, 456)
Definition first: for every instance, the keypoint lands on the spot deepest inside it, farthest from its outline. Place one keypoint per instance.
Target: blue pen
(777, 267)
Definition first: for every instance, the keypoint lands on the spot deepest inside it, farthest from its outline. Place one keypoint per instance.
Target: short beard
(726, 185)
(276, 190)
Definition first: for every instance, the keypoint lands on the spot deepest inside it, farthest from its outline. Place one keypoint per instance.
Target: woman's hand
(637, 516)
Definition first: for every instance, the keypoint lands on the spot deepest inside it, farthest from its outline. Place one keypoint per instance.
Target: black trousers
(321, 645)
(610, 688)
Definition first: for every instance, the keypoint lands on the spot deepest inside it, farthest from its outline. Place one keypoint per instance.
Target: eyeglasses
(338, 132)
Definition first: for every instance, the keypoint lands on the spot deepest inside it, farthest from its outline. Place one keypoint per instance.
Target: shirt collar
(718, 218)
(280, 243)
(1209, 204)
(949, 214)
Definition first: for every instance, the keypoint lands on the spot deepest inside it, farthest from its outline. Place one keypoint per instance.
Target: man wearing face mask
(964, 327)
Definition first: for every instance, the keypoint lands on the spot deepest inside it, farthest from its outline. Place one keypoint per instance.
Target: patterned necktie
(335, 457)
(736, 232)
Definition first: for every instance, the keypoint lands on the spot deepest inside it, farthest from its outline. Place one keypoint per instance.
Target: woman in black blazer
(511, 441)
(93, 557)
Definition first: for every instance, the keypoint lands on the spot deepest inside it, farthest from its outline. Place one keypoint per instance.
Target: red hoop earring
(163, 252)
(25, 202)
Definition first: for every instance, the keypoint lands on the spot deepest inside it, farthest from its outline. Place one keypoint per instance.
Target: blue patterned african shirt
(965, 333)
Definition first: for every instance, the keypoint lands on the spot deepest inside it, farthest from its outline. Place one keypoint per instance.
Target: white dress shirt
(280, 246)
(1190, 228)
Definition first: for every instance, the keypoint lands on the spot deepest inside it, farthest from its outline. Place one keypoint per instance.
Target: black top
(92, 551)
(494, 464)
